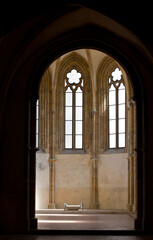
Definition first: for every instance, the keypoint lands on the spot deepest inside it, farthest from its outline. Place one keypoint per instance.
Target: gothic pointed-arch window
(37, 123)
(117, 112)
(73, 90)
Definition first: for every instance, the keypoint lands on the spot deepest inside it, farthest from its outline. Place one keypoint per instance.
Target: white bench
(73, 207)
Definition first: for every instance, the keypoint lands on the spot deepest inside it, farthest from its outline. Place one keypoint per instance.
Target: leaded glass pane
(112, 88)
(116, 74)
(37, 125)
(112, 141)
(78, 127)
(112, 97)
(121, 86)
(112, 112)
(112, 126)
(37, 137)
(68, 113)
(73, 76)
(68, 90)
(121, 96)
(78, 99)
(121, 128)
(121, 111)
(68, 127)
(68, 141)
(68, 99)
(78, 141)
(78, 113)
(121, 140)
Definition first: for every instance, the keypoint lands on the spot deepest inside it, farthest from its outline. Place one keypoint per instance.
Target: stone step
(84, 211)
(49, 213)
(70, 217)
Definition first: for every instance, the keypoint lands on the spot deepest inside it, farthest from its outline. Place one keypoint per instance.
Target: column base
(131, 207)
(94, 206)
(52, 206)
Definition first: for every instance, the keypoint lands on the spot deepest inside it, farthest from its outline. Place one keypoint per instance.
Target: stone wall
(73, 180)
(42, 180)
(113, 181)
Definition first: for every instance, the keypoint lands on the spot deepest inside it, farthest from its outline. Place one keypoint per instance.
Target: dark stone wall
(28, 46)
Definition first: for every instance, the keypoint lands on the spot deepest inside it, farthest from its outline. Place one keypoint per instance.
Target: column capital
(52, 160)
(94, 112)
(94, 159)
(131, 103)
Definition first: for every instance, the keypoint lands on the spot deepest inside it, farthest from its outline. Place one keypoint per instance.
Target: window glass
(112, 112)
(73, 110)
(78, 127)
(116, 100)
(78, 113)
(68, 127)
(78, 141)
(112, 141)
(121, 112)
(112, 126)
(68, 101)
(112, 97)
(68, 113)
(121, 124)
(78, 99)
(68, 141)
(121, 140)
(37, 123)
(121, 96)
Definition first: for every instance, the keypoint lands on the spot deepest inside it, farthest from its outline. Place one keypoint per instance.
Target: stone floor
(74, 237)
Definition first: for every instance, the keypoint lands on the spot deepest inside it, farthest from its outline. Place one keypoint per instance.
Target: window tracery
(73, 88)
(117, 113)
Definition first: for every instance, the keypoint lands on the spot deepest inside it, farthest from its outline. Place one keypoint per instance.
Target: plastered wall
(42, 180)
(113, 181)
(73, 180)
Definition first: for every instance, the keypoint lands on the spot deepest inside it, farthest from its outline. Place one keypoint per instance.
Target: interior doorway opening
(86, 136)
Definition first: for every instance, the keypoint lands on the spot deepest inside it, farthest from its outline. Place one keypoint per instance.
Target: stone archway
(32, 57)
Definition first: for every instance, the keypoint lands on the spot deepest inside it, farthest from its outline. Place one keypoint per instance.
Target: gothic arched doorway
(100, 170)
(43, 40)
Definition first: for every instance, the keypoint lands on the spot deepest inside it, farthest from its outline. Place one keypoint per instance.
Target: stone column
(94, 166)
(94, 184)
(135, 164)
(31, 171)
(132, 157)
(51, 183)
(52, 159)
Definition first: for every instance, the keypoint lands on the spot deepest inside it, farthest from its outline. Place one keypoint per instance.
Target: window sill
(115, 151)
(81, 151)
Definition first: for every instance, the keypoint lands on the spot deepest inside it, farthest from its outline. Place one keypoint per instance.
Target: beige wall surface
(113, 181)
(73, 180)
(42, 180)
